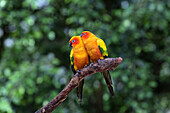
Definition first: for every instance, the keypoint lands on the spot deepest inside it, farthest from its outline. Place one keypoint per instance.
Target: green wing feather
(102, 47)
(72, 61)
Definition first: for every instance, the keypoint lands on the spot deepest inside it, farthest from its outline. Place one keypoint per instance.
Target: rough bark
(100, 66)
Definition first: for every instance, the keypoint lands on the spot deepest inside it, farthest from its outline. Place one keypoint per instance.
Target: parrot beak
(70, 45)
(81, 35)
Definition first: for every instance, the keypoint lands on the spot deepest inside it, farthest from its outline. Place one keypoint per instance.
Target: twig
(100, 66)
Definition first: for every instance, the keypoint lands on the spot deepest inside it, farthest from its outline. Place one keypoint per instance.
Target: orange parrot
(96, 49)
(79, 58)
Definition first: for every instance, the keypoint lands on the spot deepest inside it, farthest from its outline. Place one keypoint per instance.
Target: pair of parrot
(88, 48)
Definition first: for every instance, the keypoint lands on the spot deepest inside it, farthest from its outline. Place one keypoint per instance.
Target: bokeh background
(34, 54)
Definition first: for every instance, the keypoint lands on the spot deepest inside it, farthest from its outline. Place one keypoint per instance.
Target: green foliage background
(34, 54)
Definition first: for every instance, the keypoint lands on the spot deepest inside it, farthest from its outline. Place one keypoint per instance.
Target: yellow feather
(71, 55)
(102, 45)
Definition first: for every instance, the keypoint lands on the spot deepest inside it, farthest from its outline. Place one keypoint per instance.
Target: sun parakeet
(79, 58)
(96, 49)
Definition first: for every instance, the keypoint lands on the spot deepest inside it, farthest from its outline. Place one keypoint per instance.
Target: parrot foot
(79, 72)
(91, 64)
(98, 60)
(85, 66)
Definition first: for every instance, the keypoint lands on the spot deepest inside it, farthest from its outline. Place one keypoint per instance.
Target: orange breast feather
(80, 60)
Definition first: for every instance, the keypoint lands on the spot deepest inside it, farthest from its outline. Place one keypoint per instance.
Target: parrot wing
(106, 74)
(72, 61)
(102, 47)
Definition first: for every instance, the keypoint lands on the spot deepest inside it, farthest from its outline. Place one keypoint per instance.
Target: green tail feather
(80, 91)
(108, 80)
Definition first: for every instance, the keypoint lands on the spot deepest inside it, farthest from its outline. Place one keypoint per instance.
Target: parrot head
(75, 40)
(86, 34)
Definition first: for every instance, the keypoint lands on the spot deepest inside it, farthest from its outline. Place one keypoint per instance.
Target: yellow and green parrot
(96, 49)
(79, 58)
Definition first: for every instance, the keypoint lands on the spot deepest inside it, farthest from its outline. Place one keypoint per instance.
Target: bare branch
(100, 66)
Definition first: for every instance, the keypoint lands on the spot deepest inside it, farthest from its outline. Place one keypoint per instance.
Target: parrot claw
(91, 64)
(85, 66)
(98, 60)
(79, 72)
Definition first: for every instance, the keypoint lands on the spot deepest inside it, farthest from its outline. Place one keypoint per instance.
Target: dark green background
(34, 54)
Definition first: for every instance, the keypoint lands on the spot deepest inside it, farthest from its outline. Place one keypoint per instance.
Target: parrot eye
(73, 41)
(84, 33)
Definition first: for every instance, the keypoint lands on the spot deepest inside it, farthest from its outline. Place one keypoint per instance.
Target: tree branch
(100, 66)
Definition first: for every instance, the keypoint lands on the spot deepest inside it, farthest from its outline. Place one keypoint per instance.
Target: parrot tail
(108, 80)
(80, 91)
